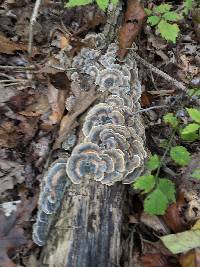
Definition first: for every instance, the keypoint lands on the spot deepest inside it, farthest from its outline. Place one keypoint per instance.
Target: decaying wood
(88, 228)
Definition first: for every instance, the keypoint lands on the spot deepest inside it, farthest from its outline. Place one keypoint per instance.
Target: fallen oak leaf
(134, 18)
(191, 258)
(174, 217)
(156, 260)
(9, 47)
(12, 234)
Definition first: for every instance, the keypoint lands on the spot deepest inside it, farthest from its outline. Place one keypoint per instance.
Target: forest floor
(33, 89)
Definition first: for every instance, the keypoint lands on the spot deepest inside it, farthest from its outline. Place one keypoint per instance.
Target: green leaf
(172, 16)
(194, 114)
(182, 242)
(103, 4)
(168, 189)
(155, 203)
(114, 2)
(187, 6)
(148, 11)
(73, 3)
(194, 92)
(145, 183)
(163, 8)
(153, 20)
(196, 174)
(189, 136)
(168, 31)
(180, 155)
(171, 119)
(153, 163)
(190, 128)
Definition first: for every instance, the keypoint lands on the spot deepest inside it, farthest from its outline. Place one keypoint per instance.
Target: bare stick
(159, 72)
(13, 81)
(32, 22)
(17, 67)
(150, 108)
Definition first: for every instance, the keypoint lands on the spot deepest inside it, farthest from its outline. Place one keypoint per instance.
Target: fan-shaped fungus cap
(96, 40)
(109, 78)
(107, 60)
(102, 114)
(85, 166)
(117, 157)
(85, 162)
(130, 178)
(55, 184)
(109, 134)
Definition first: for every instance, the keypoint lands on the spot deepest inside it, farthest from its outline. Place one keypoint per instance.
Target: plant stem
(165, 153)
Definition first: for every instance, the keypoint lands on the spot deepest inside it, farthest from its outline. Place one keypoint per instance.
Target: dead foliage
(12, 233)
(133, 20)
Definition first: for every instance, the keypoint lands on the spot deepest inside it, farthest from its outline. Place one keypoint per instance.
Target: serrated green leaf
(187, 6)
(156, 203)
(145, 183)
(114, 2)
(190, 136)
(153, 163)
(163, 8)
(194, 114)
(182, 242)
(168, 31)
(168, 189)
(148, 11)
(73, 3)
(172, 16)
(153, 20)
(190, 128)
(103, 4)
(180, 155)
(196, 174)
(171, 119)
(194, 92)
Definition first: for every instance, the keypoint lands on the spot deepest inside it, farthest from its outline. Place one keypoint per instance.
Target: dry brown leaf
(173, 216)
(9, 47)
(40, 107)
(134, 18)
(191, 258)
(12, 234)
(155, 260)
(64, 42)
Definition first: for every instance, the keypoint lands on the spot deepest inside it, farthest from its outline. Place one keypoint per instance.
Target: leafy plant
(162, 17)
(103, 4)
(160, 191)
(187, 6)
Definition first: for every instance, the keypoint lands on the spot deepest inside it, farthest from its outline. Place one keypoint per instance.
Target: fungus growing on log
(102, 114)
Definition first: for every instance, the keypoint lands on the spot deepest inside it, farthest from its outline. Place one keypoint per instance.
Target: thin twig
(12, 84)
(32, 22)
(159, 72)
(17, 68)
(13, 81)
(150, 108)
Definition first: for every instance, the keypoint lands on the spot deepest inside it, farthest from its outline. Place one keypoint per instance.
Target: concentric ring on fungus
(102, 114)
(109, 78)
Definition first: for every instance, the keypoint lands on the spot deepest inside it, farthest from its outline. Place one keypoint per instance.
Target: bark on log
(88, 230)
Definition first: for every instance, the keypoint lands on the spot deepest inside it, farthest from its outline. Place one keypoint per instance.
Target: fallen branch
(159, 72)
(32, 22)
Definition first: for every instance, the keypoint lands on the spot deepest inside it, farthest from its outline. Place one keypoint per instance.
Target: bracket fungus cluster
(113, 135)
(112, 149)
(52, 193)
